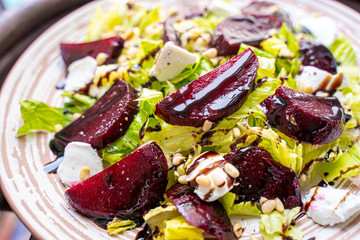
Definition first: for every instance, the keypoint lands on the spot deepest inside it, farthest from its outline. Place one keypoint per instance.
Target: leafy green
(78, 103)
(276, 47)
(243, 208)
(150, 17)
(179, 228)
(266, 67)
(289, 37)
(343, 52)
(40, 116)
(117, 226)
(145, 58)
(277, 226)
(258, 52)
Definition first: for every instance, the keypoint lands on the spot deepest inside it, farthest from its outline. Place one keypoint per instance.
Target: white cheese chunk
(323, 28)
(220, 8)
(171, 61)
(80, 73)
(78, 155)
(313, 79)
(213, 191)
(330, 206)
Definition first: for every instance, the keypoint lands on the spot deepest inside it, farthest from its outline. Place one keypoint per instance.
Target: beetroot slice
(103, 123)
(261, 176)
(212, 96)
(307, 118)
(71, 52)
(317, 55)
(233, 31)
(208, 216)
(126, 189)
(267, 8)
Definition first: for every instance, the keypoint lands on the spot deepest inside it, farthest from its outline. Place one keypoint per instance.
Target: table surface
(17, 34)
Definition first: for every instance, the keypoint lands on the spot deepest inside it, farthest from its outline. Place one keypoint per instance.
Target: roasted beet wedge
(71, 52)
(126, 189)
(261, 176)
(317, 55)
(107, 120)
(267, 8)
(208, 216)
(307, 118)
(233, 31)
(212, 96)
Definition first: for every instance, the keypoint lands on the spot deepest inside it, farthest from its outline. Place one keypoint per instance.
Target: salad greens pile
(279, 63)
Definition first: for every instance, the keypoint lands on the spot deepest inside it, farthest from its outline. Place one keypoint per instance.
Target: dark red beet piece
(126, 189)
(208, 216)
(233, 31)
(103, 123)
(317, 55)
(267, 8)
(261, 176)
(71, 52)
(212, 96)
(307, 118)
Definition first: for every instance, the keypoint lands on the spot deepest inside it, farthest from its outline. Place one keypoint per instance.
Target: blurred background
(21, 22)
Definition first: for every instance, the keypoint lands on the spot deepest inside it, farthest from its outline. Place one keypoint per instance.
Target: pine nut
(211, 53)
(58, 128)
(101, 58)
(237, 229)
(178, 159)
(218, 180)
(268, 206)
(203, 180)
(84, 173)
(236, 132)
(303, 177)
(182, 179)
(231, 170)
(279, 205)
(207, 125)
(262, 200)
(132, 52)
(76, 116)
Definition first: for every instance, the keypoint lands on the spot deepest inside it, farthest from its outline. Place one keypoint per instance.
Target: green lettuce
(277, 226)
(40, 116)
(150, 17)
(289, 37)
(243, 208)
(117, 226)
(343, 52)
(179, 228)
(258, 52)
(78, 103)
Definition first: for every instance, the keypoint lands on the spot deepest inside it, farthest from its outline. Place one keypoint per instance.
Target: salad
(184, 118)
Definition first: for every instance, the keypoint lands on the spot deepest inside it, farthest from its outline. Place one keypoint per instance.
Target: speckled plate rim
(36, 197)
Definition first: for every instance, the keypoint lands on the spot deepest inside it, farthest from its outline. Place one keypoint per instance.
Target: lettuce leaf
(343, 52)
(78, 103)
(150, 17)
(277, 226)
(179, 228)
(243, 208)
(40, 116)
(258, 52)
(117, 226)
(289, 37)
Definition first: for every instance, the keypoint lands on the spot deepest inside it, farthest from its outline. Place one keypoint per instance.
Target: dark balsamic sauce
(144, 234)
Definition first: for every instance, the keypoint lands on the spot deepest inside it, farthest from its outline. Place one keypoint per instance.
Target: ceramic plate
(37, 197)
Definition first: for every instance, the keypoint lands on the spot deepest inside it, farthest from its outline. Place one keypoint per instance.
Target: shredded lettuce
(243, 208)
(277, 226)
(40, 116)
(151, 16)
(343, 52)
(117, 226)
(289, 37)
(78, 103)
(258, 52)
(179, 228)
